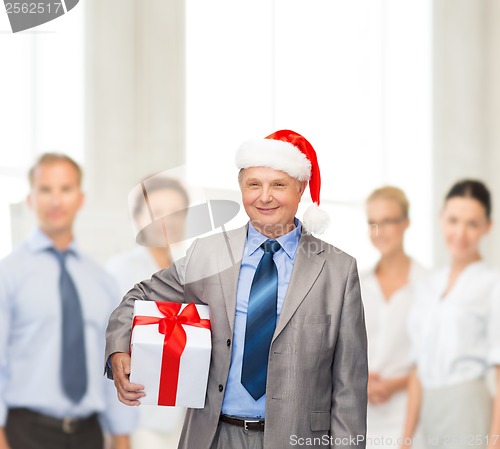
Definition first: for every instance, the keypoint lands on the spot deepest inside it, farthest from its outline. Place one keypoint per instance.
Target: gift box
(170, 349)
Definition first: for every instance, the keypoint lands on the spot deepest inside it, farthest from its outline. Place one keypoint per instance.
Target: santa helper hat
(291, 153)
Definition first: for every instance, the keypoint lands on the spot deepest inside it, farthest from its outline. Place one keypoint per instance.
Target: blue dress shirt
(30, 335)
(237, 400)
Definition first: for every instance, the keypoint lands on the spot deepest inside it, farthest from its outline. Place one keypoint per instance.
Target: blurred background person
(159, 211)
(54, 307)
(387, 296)
(454, 326)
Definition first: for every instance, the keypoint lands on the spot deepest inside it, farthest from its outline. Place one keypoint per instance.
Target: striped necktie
(261, 322)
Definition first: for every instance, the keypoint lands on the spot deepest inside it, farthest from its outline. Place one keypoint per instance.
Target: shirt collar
(289, 242)
(39, 241)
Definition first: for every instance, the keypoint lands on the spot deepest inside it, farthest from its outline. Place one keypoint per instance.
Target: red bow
(174, 343)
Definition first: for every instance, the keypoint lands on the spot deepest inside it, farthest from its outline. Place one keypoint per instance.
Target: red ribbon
(174, 343)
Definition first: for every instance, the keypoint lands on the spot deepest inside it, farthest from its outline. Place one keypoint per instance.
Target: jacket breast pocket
(320, 421)
(311, 320)
(310, 334)
(317, 319)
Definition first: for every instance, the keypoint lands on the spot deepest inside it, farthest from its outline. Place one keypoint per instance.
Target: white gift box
(147, 351)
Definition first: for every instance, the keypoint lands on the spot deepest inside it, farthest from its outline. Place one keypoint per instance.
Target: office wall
(466, 97)
(135, 109)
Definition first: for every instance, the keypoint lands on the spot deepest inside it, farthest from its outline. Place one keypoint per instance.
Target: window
(353, 77)
(41, 107)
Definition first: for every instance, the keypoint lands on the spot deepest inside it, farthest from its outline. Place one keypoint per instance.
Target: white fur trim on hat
(315, 219)
(275, 154)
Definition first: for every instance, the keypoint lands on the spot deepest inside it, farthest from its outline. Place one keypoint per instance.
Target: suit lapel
(306, 270)
(229, 256)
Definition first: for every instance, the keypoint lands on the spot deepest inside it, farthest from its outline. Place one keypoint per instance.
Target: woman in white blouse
(455, 330)
(387, 296)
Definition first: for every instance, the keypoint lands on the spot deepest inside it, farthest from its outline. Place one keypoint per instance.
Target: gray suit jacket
(317, 372)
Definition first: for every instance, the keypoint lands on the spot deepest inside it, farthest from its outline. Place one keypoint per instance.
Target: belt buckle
(68, 425)
(249, 421)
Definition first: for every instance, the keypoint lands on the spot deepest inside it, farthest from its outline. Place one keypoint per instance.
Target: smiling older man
(289, 363)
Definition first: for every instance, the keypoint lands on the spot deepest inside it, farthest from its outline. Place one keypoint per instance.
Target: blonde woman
(387, 295)
(455, 331)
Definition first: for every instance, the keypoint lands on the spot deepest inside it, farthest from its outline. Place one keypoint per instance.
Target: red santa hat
(291, 153)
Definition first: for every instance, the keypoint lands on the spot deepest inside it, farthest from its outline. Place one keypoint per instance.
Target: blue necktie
(261, 322)
(73, 361)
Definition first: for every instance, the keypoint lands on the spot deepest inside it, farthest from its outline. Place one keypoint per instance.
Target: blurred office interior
(401, 92)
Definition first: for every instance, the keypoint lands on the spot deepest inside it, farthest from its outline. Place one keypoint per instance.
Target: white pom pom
(315, 220)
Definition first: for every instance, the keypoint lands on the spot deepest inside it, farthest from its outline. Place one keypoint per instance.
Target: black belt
(247, 424)
(67, 425)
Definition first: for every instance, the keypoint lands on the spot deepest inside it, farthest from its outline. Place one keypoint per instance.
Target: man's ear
(29, 200)
(303, 185)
